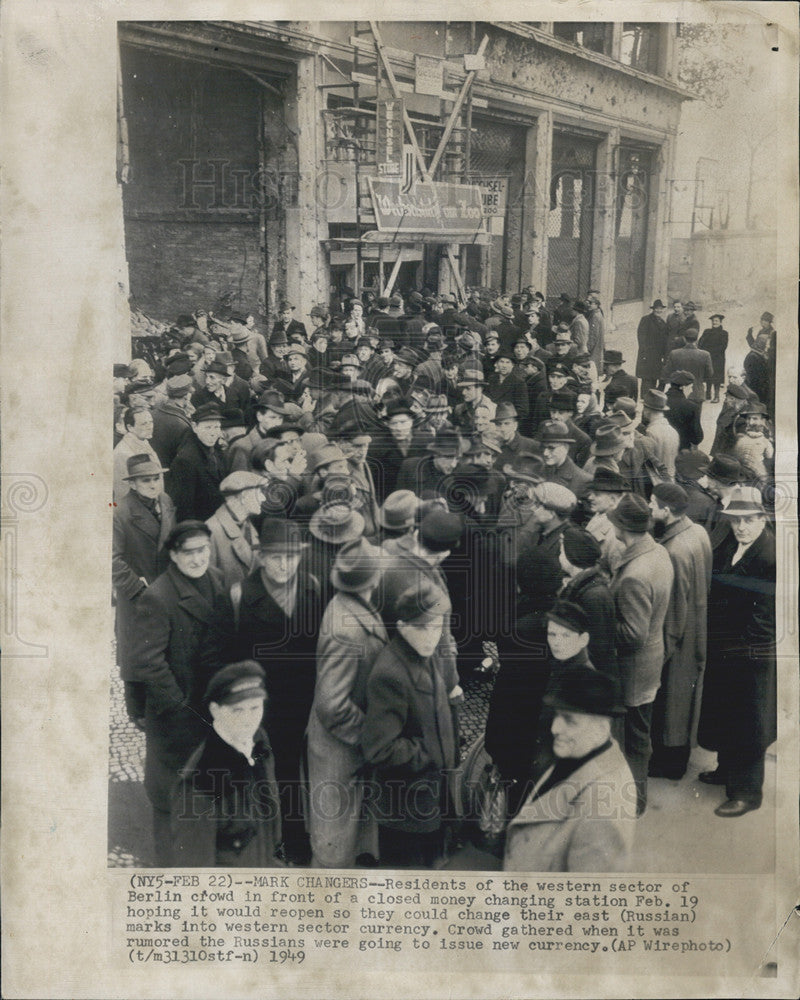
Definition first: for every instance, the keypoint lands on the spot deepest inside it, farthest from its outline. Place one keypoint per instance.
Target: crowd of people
(320, 531)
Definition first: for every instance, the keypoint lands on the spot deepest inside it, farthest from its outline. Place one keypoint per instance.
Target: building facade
(263, 160)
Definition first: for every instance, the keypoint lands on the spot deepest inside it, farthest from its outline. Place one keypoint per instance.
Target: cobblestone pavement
(129, 838)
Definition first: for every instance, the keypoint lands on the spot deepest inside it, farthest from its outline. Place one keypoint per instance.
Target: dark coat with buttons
(225, 811)
(409, 737)
(170, 618)
(194, 479)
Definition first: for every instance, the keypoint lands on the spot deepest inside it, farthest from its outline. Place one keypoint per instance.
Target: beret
(581, 548)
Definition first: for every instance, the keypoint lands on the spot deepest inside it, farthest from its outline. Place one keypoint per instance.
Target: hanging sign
(429, 76)
(437, 207)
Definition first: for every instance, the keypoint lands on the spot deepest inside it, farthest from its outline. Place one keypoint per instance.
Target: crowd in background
(323, 527)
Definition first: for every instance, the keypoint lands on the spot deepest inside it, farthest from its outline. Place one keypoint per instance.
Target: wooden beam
(395, 271)
(456, 110)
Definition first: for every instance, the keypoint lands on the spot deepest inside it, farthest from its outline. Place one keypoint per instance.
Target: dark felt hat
(216, 368)
(505, 411)
(607, 481)
(527, 468)
(613, 358)
(692, 463)
(654, 399)
(585, 691)
(554, 432)
(232, 417)
(278, 535)
(563, 400)
(237, 682)
(725, 469)
(446, 442)
(658, 304)
(631, 514)
(607, 440)
(624, 404)
(336, 523)
(581, 548)
(440, 530)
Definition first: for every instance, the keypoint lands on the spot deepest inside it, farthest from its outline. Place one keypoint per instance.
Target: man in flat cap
(171, 615)
(225, 809)
(143, 520)
(199, 466)
(551, 506)
(138, 422)
(677, 707)
(642, 587)
(651, 336)
(233, 536)
(273, 616)
(172, 422)
(579, 816)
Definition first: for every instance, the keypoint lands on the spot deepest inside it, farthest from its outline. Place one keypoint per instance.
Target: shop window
(593, 35)
(571, 215)
(634, 187)
(640, 45)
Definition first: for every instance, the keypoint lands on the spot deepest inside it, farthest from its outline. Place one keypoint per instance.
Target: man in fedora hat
(397, 517)
(285, 323)
(664, 437)
(690, 467)
(170, 618)
(351, 637)
(332, 525)
(616, 381)
(677, 706)
(214, 389)
(682, 413)
(603, 494)
(562, 346)
(595, 830)
(297, 363)
(354, 442)
(273, 616)
(430, 476)
(720, 478)
(507, 386)
(506, 422)
(269, 412)
(327, 464)
(641, 587)
(651, 336)
(225, 810)
(472, 385)
(555, 440)
(437, 413)
(562, 407)
(389, 450)
(738, 713)
(138, 423)
(714, 339)
(691, 359)
(199, 466)
(233, 536)
(143, 519)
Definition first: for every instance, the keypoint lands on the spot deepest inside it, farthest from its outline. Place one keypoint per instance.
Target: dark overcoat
(170, 617)
(137, 554)
(715, 341)
(409, 737)
(738, 713)
(684, 415)
(171, 427)
(652, 339)
(512, 389)
(225, 811)
(195, 475)
(590, 590)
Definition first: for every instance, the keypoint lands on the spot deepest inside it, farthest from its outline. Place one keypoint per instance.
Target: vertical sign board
(494, 194)
(389, 136)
